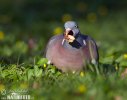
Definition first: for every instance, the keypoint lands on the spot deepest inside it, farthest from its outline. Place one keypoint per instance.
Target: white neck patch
(84, 42)
(63, 41)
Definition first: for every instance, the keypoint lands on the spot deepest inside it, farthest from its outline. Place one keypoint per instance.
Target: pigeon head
(71, 31)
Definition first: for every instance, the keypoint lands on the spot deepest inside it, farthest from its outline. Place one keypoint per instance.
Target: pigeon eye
(76, 26)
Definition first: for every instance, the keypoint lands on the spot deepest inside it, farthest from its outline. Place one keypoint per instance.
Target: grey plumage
(72, 50)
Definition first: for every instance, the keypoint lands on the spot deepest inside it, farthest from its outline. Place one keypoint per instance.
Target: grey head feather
(70, 24)
(80, 40)
(73, 26)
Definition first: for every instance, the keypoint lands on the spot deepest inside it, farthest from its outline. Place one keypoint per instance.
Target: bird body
(71, 52)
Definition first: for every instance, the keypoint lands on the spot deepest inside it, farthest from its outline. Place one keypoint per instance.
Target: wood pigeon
(71, 51)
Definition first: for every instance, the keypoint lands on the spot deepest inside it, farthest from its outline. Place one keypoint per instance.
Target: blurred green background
(27, 25)
(29, 22)
(40, 17)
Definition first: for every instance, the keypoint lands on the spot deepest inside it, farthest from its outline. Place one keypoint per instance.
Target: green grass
(24, 70)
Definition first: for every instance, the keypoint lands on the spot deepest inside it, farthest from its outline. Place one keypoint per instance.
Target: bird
(71, 51)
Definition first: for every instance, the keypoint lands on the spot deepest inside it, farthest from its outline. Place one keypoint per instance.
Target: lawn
(24, 70)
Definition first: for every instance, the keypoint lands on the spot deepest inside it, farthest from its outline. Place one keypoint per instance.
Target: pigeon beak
(69, 35)
(67, 31)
